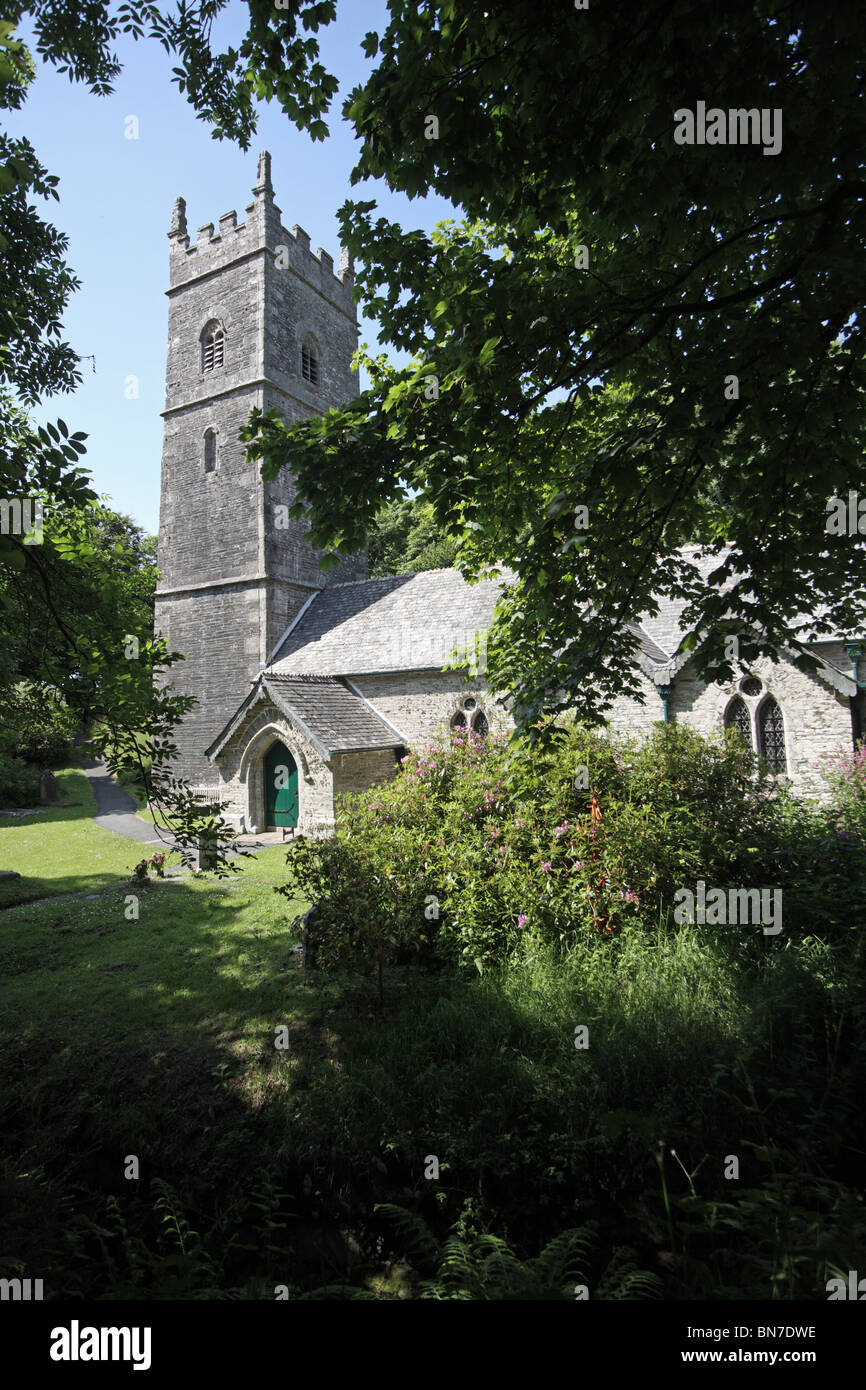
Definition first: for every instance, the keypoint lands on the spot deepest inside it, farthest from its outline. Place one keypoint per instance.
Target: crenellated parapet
(262, 233)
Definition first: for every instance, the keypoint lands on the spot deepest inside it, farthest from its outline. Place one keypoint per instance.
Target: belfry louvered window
(737, 717)
(771, 735)
(310, 362)
(212, 348)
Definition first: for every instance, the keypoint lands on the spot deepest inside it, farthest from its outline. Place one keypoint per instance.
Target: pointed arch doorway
(281, 787)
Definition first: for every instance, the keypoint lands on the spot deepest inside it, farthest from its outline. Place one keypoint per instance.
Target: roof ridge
(270, 675)
(378, 578)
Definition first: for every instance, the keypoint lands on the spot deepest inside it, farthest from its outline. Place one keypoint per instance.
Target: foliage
(38, 725)
(484, 1268)
(692, 1041)
(845, 777)
(406, 539)
(19, 781)
(482, 849)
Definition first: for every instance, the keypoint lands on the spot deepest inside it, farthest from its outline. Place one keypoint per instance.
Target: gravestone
(208, 852)
(48, 788)
(308, 957)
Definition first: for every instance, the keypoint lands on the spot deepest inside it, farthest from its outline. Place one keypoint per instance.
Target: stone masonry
(233, 575)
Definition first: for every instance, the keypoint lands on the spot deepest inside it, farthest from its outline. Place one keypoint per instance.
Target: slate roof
(667, 630)
(333, 718)
(413, 622)
(647, 645)
(406, 622)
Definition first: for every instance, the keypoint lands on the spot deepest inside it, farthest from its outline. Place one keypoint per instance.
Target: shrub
(844, 774)
(480, 850)
(38, 726)
(19, 782)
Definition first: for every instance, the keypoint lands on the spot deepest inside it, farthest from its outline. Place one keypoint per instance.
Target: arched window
(210, 451)
(480, 725)
(212, 346)
(737, 717)
(310, 360)
(771, 735)
(459, 721)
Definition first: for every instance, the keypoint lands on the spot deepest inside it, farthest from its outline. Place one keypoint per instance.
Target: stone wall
(421, 704)
(817, 720)
(627, 716)
(355, 772)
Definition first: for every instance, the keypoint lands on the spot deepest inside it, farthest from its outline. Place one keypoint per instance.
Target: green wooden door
(281, 787)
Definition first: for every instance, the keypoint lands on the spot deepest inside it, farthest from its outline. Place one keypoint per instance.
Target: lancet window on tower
(210, 451)
(212, 347)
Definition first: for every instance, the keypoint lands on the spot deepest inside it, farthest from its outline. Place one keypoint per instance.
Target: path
(115, 808)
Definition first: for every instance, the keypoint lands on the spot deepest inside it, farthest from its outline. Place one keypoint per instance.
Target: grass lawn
(199, 951)
(60, 850)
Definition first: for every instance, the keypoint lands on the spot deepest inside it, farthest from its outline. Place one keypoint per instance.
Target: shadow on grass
(261, 1165)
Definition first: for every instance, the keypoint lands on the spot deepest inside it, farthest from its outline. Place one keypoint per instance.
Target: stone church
(311, 685)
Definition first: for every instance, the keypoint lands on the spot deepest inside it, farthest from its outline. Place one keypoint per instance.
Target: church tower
(254, 319)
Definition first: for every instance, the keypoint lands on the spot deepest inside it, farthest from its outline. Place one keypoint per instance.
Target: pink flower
(546, 865)
(521, 921)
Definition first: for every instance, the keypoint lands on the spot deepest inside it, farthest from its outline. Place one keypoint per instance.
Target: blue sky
(116, 197)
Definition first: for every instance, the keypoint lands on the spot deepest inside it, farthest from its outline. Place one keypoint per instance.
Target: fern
(484, 1267)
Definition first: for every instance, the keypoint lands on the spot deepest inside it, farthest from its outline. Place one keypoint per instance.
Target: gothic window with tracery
(459, 721)
(212, 347)
(737, 717)
(480, 725)
(771, 735)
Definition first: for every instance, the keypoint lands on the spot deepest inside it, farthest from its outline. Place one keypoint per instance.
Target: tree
(405, 539)
(666, 333)
(76, 582)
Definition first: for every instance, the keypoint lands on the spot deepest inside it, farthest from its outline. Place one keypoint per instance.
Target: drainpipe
(665, 692)
(855, 656)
